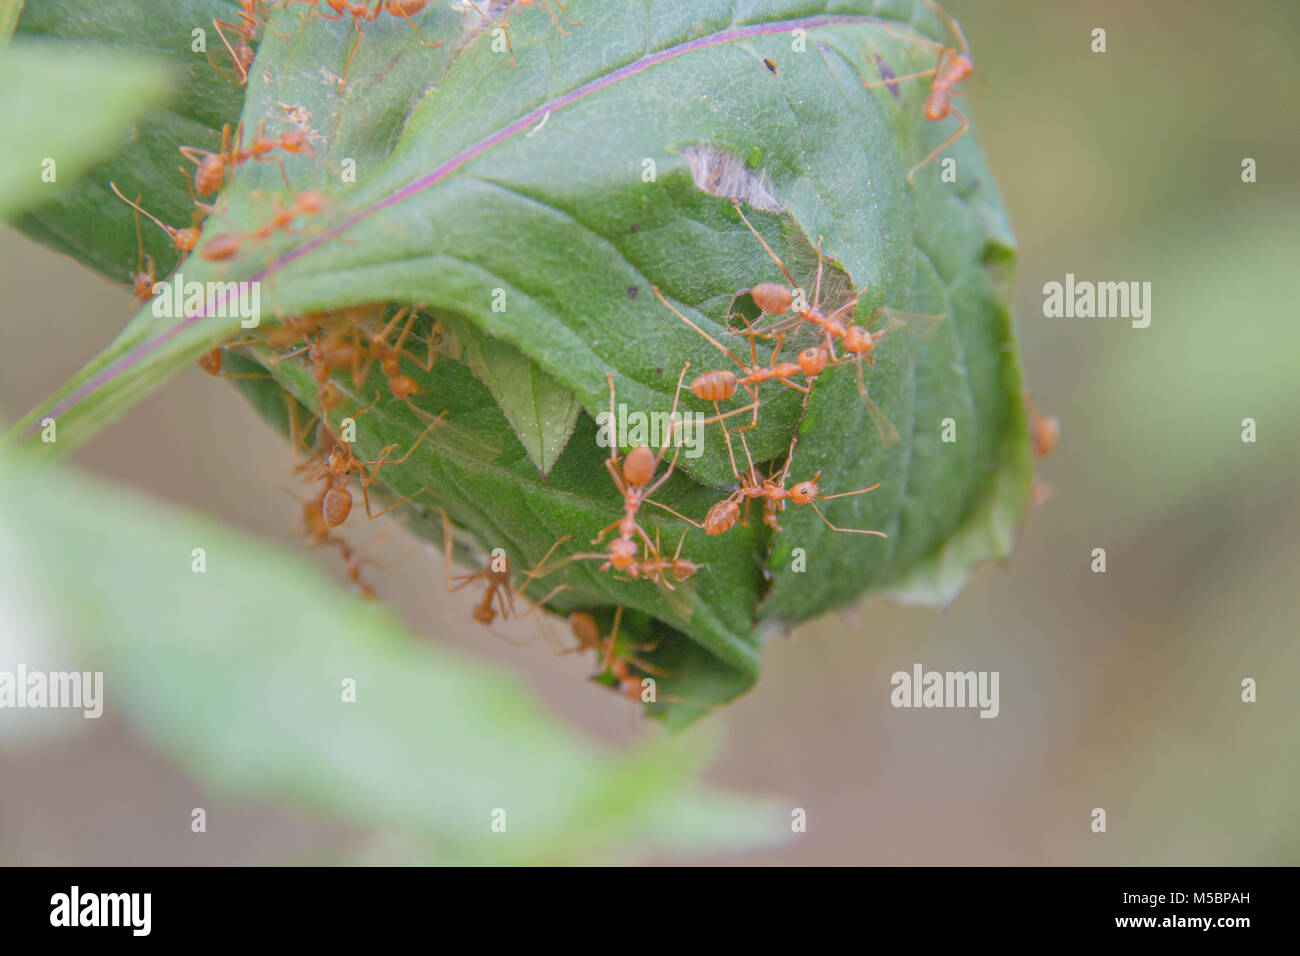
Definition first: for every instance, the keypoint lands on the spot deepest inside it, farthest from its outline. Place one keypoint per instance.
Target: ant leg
(965, 125)
(894, 80)
(817, 285)
(218, 24)
(879, 534)
(775, 258)
(658, 483)
(541, 602)
(676, 514)
(612, 640)
(365, 494)
(706, 335)
(383, 462)
(952, 23)
(464, 579)
(556, 22)
(280, 162)
(407, 17)
(535, 573)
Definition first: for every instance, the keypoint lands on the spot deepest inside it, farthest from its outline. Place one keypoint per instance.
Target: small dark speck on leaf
(632, 291)
(770, 65)
(636, 227)
(659, 371)
(887, 74)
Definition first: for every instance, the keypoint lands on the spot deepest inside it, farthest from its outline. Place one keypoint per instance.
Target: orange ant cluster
(637, 476)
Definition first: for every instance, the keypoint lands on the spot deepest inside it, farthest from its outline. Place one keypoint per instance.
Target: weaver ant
(719, 385)
(588, 635)
(212, 362)
(211, 168)
(183, 240)
(498, 596)
(776, 300)
(226, 245)
(725, 513)
(389, 356)
(1045, 431)
(952, 67)
(341, 464)
(246, 28)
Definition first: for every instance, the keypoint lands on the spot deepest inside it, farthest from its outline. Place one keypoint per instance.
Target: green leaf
(242, 684)
(540, 410)
(48, 83)
(542, 204)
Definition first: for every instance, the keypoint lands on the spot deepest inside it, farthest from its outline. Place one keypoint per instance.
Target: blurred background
(1119, 690)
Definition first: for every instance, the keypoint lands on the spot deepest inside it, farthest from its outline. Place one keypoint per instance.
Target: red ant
(144, 277)
(246, 28)
(723, 515)
(952, 67)
(211, 362)
(327, 350)
(587, 633)
(498, 596)
(663, 572)
(636, 482)
(776, 300)
(340, 464)
(361, 13)
(1045, 431)
(211, 168)
(389, 356)
(183, 240)
(226, 245)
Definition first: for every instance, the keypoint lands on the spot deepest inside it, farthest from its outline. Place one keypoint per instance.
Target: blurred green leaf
(9, 12)
(185, 106)
(45, 84)
(243, 684)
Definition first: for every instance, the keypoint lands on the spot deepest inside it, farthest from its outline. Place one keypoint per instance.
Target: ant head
(639, 466)
(585, 629)
(812, 360)
(857, 340)
(805, 491)
(295, 141)
(962, 67)
(339, 460)
(772, 298)
(622, 553)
